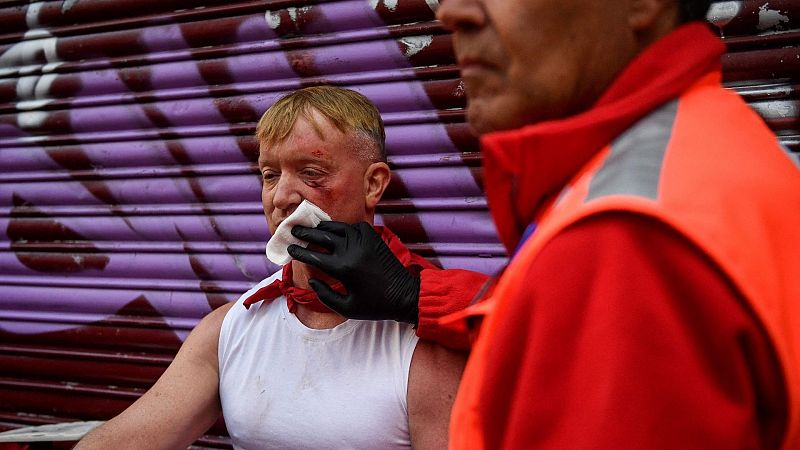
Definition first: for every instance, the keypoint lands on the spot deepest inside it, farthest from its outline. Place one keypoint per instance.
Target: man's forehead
(295, 150)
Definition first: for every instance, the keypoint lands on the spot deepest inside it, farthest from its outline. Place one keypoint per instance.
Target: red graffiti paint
(31, 232)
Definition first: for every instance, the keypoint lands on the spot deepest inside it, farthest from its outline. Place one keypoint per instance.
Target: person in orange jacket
(657, 302)
(652, 300)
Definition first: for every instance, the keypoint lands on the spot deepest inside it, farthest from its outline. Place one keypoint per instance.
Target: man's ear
(652, 19)
(376, 179)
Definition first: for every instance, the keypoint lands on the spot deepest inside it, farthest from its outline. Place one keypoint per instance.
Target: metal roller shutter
(129, 193)
(129, 190)
(763, 59)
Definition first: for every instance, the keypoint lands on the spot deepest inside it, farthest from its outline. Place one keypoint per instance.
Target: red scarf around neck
(307, 297)
(294, 295)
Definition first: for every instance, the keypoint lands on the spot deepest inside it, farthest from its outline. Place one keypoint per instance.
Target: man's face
(324, 170)
(526, 61)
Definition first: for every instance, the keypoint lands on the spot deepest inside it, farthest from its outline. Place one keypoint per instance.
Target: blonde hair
(346, 109)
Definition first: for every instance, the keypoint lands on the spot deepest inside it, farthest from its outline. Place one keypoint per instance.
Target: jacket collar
(526, 167)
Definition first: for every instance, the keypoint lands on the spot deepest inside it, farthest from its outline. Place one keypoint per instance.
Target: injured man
(283, 369)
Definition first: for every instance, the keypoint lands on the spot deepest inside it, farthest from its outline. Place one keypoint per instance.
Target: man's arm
(379, 286)
(432, 384)
(180, 406)
(443, 292)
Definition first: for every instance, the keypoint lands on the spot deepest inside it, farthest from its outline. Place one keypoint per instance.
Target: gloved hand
(378, 286)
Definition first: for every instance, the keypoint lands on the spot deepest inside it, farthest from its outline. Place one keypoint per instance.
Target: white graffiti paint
(26, 86)
(27, 105)
(433, 4)
(720, 14)
(37, 34)
(31, 119)
(24, 58)
(67, 5)
(26, 53)
(391, 5)
(32, 15)
(32, 91)
(292, 14)
(25, 70)
(783, 110)
(770, 18)
(35, 87)
(415, 44)
(273, 19)
(50, 67)
(780, 109)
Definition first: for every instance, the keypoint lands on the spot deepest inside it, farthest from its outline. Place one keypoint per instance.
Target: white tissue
(307, 214)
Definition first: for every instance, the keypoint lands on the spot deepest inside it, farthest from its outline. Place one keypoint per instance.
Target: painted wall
(129, 193)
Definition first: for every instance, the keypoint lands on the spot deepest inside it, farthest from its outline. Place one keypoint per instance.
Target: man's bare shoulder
(433, 363)
(203, 342)
(213, 320)
(432, 384)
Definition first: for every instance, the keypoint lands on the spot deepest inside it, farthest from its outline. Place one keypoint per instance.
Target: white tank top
(284, 385)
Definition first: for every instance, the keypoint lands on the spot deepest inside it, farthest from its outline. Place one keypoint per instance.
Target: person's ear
(651, 18)
(376, 179)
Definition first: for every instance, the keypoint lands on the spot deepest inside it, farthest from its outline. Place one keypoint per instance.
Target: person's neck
(301, 273)
(318, 320)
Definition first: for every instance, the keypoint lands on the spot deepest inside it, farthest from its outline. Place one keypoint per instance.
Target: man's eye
(270, 176)
(309, 173)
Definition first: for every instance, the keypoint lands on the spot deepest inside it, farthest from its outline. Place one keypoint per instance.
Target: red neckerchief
(307, 297)
(294, 295)
(525, 168)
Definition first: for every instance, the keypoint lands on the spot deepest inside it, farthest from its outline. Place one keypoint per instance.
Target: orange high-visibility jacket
(707, 166)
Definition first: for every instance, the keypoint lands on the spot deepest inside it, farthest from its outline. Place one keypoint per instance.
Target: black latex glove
(378, 286)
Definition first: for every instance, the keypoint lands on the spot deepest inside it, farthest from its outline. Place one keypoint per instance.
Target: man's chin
(313, 272)
(480, 118)
(484, 121)
(479, 127)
